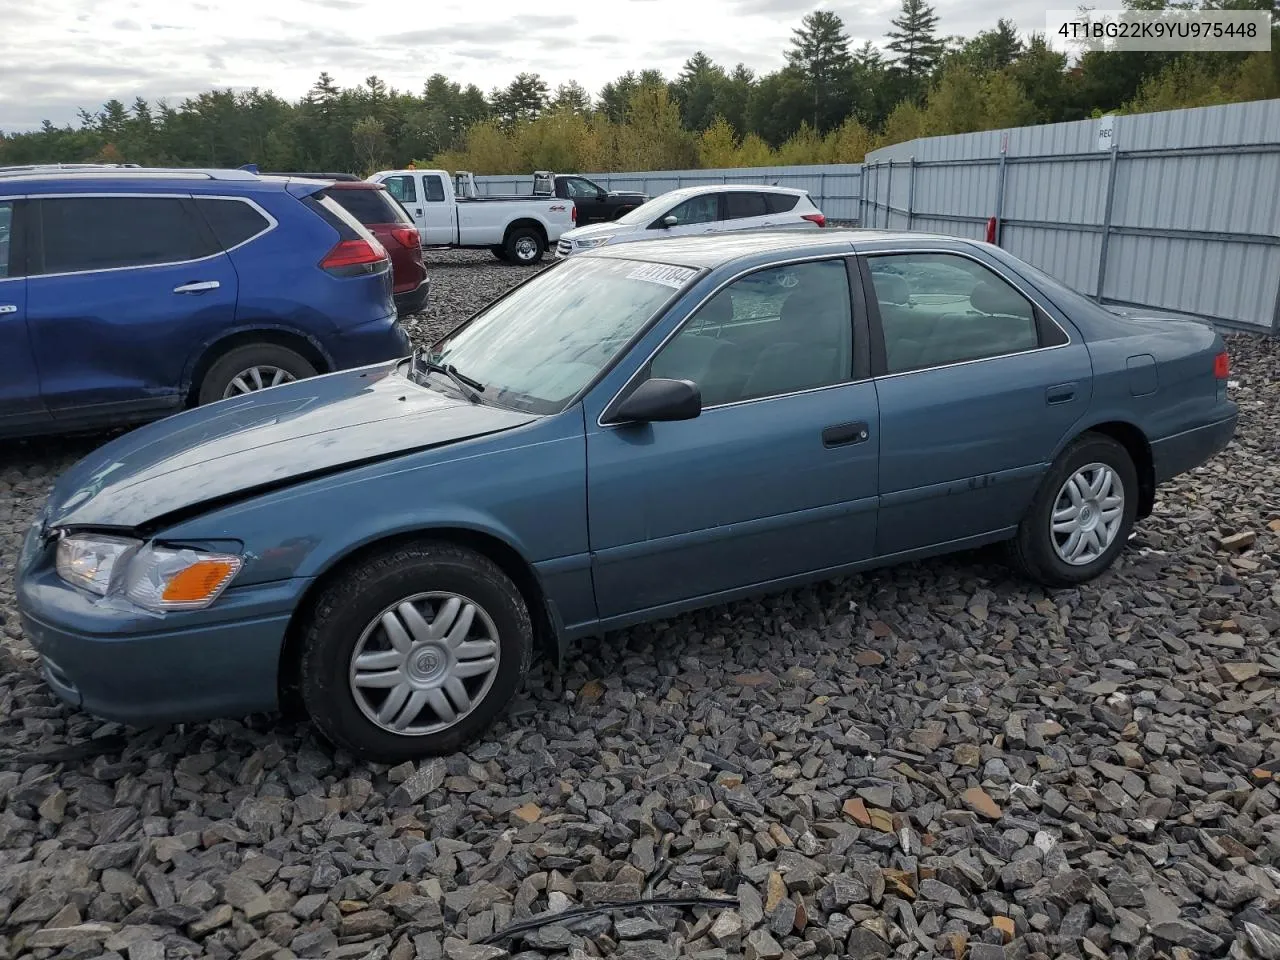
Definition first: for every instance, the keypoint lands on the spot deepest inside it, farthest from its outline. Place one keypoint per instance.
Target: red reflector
(817, 218)
(1222, 366)
(991, 230)
(353, 253)
(406, 236)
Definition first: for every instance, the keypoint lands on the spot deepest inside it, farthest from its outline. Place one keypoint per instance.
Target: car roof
(711, 250)
(730, 188)
(145, 179)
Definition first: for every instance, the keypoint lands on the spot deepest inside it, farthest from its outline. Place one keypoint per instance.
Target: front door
(776, 478)
(697, 215)
(20, 403)
(122, 290)
(586, 197)
(977, 385)
(423, 196)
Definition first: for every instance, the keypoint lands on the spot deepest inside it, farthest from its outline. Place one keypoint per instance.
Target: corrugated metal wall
(1176, 211)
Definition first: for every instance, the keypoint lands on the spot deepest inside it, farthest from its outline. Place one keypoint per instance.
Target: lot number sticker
(675, 277)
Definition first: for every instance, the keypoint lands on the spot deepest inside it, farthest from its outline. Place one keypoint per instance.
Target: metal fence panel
(1176, 211)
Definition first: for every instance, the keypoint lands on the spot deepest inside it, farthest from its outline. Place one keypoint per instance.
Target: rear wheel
(1081, 516)
(524, 246)
(414, 652)
(250, 368)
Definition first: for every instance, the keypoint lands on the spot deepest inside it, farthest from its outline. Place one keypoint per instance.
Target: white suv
(697, 210)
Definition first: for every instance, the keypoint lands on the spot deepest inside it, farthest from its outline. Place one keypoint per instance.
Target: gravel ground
(930, 760)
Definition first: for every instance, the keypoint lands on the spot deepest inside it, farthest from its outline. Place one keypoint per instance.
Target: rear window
(434, 188)
(102, 233)
(781, 202)
(232, 221)
(368, 206)
(739, 206)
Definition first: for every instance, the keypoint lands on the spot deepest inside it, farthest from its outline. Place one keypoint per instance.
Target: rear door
(121, 287)
(20, 403)
(423, 196)
(744, 210)
(977, 385)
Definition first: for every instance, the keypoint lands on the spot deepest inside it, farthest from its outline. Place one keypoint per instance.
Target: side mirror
(601, 195)
(657, 400)
(670, 220)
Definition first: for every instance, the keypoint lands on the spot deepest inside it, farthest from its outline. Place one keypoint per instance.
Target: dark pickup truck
(595, 204)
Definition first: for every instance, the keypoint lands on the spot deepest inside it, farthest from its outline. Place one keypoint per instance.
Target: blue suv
(128, 294)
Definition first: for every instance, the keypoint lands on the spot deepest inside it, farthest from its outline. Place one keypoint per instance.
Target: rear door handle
(1062, 393)
(199, 286)
(842, 434)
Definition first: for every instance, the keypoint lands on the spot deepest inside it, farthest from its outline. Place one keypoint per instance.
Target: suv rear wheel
(251, 368)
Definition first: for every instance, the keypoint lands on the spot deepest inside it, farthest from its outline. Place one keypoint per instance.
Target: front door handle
(199, 286)
(7, 308)
(1062, 393)
(843, 434)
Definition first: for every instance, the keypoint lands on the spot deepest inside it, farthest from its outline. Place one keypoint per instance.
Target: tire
(1035, 550)
(219, 378)
(524, 246)
(500, 253)
(346, 620)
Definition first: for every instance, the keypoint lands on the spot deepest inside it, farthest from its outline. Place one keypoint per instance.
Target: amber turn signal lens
(199, 582)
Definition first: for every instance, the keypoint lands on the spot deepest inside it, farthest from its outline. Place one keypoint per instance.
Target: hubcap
(424, 663)
(1087, 514)
(256, 378)
(526, 248)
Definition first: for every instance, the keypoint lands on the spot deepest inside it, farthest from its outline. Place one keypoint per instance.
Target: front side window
(776, 331)
(536, 348)
(403, 189)
(941, 308)
(101, 233)
(6, 234)
(700, 209)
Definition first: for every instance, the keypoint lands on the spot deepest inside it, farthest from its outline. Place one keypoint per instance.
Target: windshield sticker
(668, 276)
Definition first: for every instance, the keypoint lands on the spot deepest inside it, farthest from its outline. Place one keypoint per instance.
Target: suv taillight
(817, 218)
(353, 258)
(1222, 366)
(406, 236)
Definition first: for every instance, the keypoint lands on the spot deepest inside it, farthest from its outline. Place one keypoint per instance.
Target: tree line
(830, 103)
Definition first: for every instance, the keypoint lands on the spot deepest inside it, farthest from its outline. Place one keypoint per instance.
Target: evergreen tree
(915, 41)
(819, 52)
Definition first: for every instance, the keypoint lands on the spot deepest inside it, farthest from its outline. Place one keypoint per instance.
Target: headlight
(153, 577)
(93, 561)
(593, 242)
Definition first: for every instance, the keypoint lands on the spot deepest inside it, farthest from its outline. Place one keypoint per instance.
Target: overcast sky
(65, 54)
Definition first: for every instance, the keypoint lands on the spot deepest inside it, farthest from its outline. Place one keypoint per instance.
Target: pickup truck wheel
(414, 652)
(1081, 516)
(524, 246)
(499, 252)
(250, 368)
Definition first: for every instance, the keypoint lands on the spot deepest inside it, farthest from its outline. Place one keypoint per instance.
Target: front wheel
(414, 652)
(1081, 516)
(524, 246)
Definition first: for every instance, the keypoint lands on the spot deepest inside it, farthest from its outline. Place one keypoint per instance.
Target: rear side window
(434, 189)
(103, 233)
(781, 202)
(232, 221)
(6, 234)
(368, 206)
(739, 206)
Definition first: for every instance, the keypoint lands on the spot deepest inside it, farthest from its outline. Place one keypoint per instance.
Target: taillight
(573, 214)
(405, 236)
(351, 258)
(1222, 366)
(817, 218)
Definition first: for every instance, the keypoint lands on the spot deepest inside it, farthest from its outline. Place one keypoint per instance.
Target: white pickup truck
(517, 229)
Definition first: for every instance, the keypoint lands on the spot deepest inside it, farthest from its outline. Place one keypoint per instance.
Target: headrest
(988, 297)
(891, 288)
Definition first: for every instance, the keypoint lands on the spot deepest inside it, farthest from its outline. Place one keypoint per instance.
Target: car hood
(286, 434)
(609, 228)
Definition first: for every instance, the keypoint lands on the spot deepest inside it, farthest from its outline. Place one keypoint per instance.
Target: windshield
(650, 209)
(536, 348)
